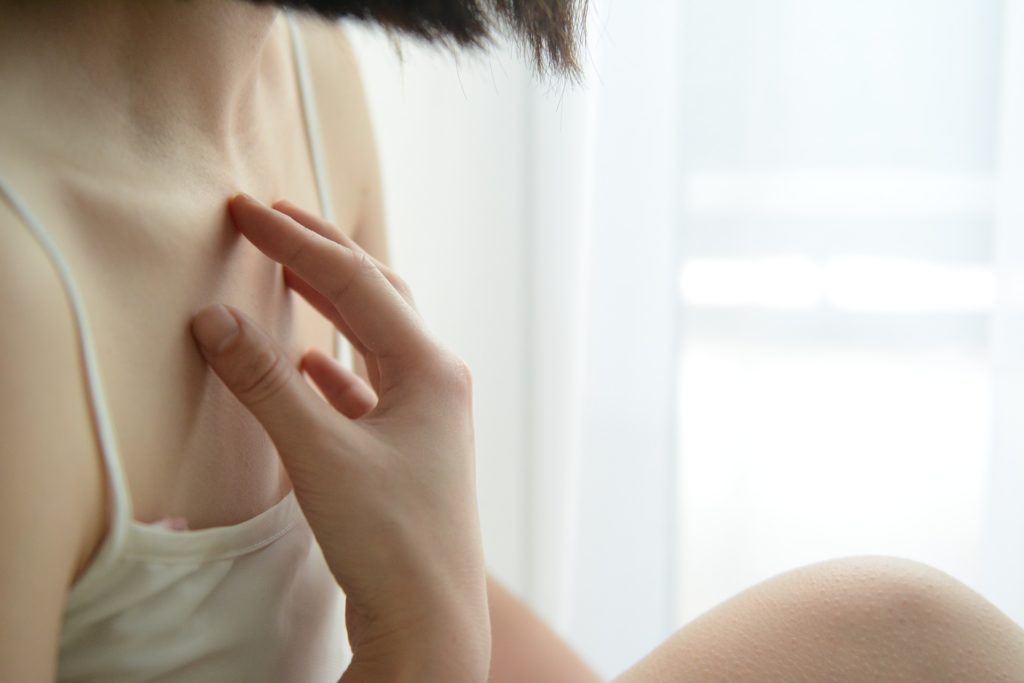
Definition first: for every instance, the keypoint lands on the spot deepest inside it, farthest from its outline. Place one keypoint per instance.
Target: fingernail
(244, 196)
(214, 327)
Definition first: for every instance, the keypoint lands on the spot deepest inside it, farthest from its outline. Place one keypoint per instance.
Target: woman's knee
(853, 619)
(873, 590)
(882, 590)
(911, 618)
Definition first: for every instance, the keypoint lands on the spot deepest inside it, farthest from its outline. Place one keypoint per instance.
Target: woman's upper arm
(49, 475)
(371, 227)
(341, 91)
(349, 116)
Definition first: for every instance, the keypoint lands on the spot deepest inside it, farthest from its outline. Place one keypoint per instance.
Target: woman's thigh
(847, 620)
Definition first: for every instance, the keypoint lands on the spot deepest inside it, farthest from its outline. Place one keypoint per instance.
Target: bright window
(836, 284)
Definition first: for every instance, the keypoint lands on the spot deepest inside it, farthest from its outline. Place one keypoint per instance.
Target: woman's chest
(145, 256)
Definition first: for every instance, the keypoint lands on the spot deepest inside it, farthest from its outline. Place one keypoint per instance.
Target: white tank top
(249, 602)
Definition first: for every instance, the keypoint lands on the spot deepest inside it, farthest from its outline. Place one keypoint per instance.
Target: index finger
(374, 311)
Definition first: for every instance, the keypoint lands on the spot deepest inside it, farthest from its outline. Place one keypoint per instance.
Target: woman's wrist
(450, 643)
(440, 656)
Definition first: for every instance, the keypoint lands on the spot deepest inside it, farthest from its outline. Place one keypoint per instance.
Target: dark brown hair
(550, 32)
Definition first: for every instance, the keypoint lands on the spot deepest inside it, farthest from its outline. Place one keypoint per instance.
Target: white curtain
(776, 289)
(1004, 559)
(604, 333)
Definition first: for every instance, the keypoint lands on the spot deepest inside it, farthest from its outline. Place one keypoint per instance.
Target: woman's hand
(389, 493)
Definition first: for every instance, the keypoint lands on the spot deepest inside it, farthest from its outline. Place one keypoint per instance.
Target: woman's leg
(849, 620)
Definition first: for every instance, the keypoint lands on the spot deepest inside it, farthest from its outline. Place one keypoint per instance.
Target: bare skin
(848, 620)
(150, 249)
(126, 222)
(145, 235)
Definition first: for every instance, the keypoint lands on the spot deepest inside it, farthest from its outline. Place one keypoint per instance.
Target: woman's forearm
(439, 657)
(446, 638)
(524, 648)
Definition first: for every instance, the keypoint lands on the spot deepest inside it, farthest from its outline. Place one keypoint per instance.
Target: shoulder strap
(312, 121)
(313, 138)
(121, 503)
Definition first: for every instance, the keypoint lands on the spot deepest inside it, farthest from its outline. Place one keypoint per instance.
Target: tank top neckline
(127, 537)
(146, 540)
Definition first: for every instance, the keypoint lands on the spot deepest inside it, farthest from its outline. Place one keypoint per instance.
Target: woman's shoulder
(50, 478)
(344, 114)
(330, 45)
(46, 431)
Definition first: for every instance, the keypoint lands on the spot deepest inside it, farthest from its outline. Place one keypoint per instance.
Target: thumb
(257, 371)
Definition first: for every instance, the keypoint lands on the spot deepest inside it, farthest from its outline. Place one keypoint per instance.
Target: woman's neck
(164, 78)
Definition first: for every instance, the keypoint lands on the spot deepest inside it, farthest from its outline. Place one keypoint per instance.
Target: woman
(159, 517)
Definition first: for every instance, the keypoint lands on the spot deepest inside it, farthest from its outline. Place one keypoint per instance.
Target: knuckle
(400, 284)
(462, 375)
(296, 251)
(360, 265)
(363, 262)
(262, 376)
(404, 290)
(452, 375)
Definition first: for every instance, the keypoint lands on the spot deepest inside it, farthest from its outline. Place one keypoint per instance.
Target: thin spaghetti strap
(121, 512)
(314, 140)
(312, 120)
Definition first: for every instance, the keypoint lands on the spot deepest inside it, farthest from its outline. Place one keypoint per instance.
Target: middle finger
(332, 232)
(376, 313)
